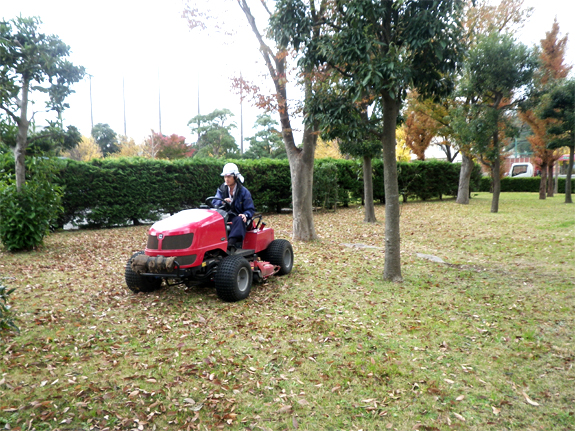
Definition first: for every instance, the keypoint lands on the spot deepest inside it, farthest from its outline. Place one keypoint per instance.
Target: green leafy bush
(325, 185)
(124, 191)
(530, 184)
(6, 314)
(27, 215)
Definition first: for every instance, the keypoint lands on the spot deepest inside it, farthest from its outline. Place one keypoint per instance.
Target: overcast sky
(142, 52)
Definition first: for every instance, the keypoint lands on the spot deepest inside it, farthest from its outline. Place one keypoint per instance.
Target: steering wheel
(226, 206)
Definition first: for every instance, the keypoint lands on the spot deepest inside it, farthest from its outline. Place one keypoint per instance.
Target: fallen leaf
(529, 400)
(460, 397)
(285, 409)
(196, 407)
(496, 411)
(134, 394)
(449, 381)
(458, 416)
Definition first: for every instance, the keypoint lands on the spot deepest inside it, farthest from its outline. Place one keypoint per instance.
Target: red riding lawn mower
(191, 248)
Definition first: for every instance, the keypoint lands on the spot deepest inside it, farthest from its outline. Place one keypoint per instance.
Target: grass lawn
(483, 341)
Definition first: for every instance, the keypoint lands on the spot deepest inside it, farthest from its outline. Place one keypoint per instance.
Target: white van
(519, 170)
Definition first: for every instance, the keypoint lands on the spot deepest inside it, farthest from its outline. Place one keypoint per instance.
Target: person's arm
(248, 204)
(220, 196)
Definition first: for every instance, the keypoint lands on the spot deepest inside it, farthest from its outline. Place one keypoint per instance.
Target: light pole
(91, 112)
(241, 114)
(124, 98)
(159, 103)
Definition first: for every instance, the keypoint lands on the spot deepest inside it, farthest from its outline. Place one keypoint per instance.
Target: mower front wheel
(138, 283)
(233, 279)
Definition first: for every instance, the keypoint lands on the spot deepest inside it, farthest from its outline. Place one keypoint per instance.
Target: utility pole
(241, 114)
(159, 103)
(198, 107)
(91, 112)
(124, 97)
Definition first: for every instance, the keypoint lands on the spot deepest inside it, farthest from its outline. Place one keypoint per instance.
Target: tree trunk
(550, 185)
(568, 199)
(22, 139)
(301, 168)
(368, 191)
(464, 179)
(543, 182)
(392, 265)
(496, 179)
(300, 159)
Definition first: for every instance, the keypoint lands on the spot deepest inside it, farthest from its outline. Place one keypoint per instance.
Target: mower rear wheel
(280, 253)
(138, 283)
(233, 279)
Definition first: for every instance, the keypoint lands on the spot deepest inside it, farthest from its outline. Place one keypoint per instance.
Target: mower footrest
(244, 252)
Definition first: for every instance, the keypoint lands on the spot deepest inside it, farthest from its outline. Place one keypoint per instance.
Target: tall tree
(419, 131)
(551, 69)
(301, 158)
(496, 68)
(355, 139)
(455, 112)
(560, 106)
(484, 17)
(542, 156)
(379, 48)
(215, 139)
(32, 61)
(267, 141)
(106, 138)
(552, 56)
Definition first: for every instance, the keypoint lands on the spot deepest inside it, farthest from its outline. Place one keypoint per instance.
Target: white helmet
(232, 169)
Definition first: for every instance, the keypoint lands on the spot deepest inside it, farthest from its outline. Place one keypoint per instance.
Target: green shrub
(561, 185)
(530, 184)
(26, 216)
(124, 191)
(6, 313)
(325, 185)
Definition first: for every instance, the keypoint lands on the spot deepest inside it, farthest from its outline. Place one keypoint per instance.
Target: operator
(240, 199)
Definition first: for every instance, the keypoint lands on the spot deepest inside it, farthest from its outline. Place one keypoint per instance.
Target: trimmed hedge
(425, 179)
(108, 192)
(530, 184)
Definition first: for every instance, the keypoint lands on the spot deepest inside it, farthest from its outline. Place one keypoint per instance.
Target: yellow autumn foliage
(327, 149)
(402, 151)
(86, 150)
(128, 148)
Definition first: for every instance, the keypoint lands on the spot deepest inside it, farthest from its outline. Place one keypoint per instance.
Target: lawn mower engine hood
(186, 236)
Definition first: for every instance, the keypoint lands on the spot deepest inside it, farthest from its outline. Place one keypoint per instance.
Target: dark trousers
(237, 231)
